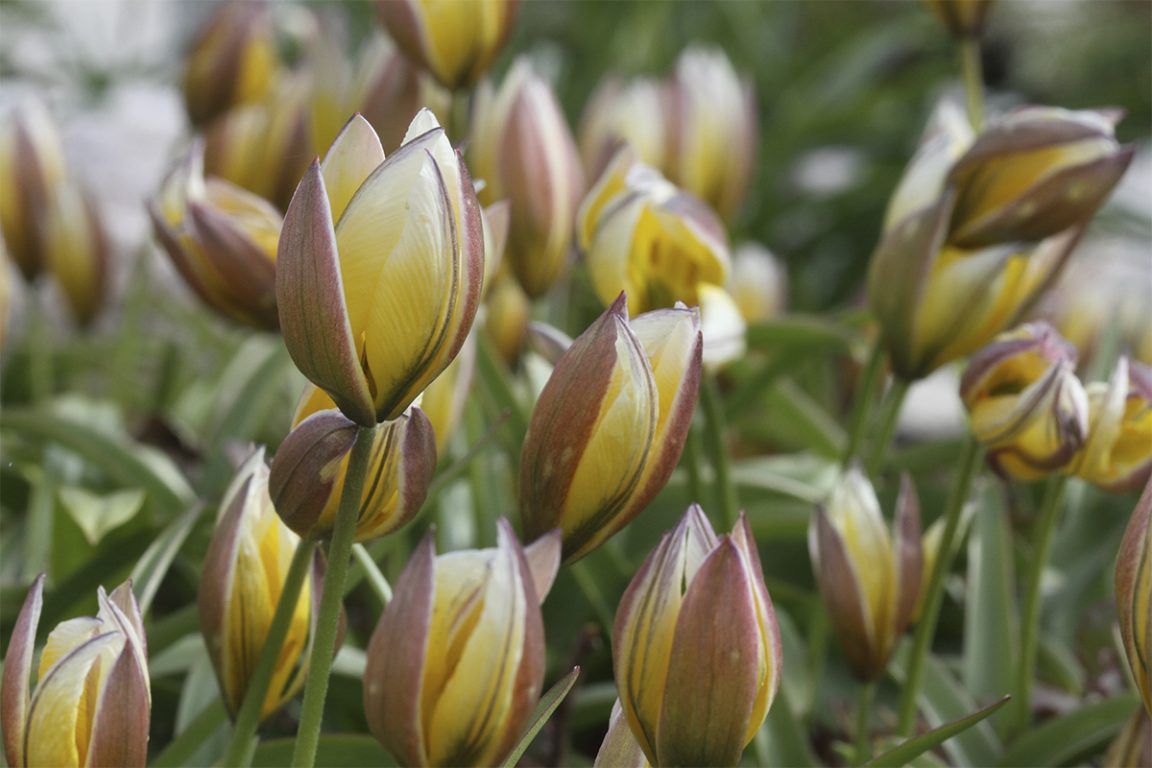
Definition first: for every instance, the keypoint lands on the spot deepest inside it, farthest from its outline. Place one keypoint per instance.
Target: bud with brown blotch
(1117, 454)
(31, 167)
(1134, 594)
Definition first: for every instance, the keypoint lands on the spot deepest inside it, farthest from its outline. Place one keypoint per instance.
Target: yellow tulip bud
(456, 663)
(92, 699)
(76, 250)
(758, 283)
(1134, 594)
(507, 312)
(609, 425)
(243, 577)
(622, 113)
(695, 648)
(31, 167)
(963, 18)
(524, 151)
(222, 240)
(232, 61)
(1025, 403)
(455, 40)
(870, 580)
(380, 267)
(1117, 455)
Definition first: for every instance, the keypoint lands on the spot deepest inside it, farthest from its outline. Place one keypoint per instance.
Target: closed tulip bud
(1117, 455)
(642, 235)
(1134, 594)
(455, 41)
(232, 61)
(695, 647)
(308, 473)
(507, 312)
(621, 113)
(77, 250)
(222, 240)
(380, 267)
(1025, 403)
(722, 325)
(758, 283)
(444, 400)
(712, 130)
(870, 580)
(92, 700)
(456, 663)
(963, 18)
(609, 425)
(243, 578)
(524, 151)
(31, 167)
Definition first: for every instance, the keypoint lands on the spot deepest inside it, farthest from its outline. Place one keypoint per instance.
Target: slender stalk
(328, 621)
(40, 374)
(458, 120)
(934, 592)
(694, 464)
(863, 403)
(891, 416)
(973, 80)
(729, 503)
(376, 579)
(1030, 618)
(863, 722)
(239, 752)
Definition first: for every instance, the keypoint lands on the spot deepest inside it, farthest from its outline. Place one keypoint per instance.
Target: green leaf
(253, 378)
(1076, 734)
(543, 711)
(797, 419)
(786, 736)
(913, 748)
(343, 750)
(154, 563)
(97, 514)
(990, 636)
(801, 476)
(806, 333)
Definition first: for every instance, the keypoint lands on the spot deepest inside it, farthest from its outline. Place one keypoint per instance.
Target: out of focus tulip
(243, 577)
(695, 647)
(380, 267)
(609, 425)
(233, 61)
(979, 227)
(308, 473)
(1134, 594)
(963, 18)
(455, 40)
(31, 168)
(444, 400)
(624, 113)
(222, 240)
(712, 130)
(76, 249)
(92, 700)
(722, 325)
(5, 292)
(870, 580)
(758, 283)
(508, 311)
(1025, 403)
(456, 663)
(1133, 745)
(525, 153)
(1117, 454)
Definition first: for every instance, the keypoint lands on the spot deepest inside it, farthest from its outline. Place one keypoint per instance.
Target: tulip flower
(456, 663)
(979, 227)
(869, 580)
(308, 474)
(507, 312)
(722, 326)
(76, 249)
(712, 130)
(380, 267)
(455, 41)
(619, 748)
(609, 425)
(232, 61)
(622, 113)
(1133, 591)
(524, 151)
(1025, 403)
(963, 18)
(92, 699)
(1117, 454)
(243, 577)
(758, 283)
(695, 647)
(222, 240)
(31, 167)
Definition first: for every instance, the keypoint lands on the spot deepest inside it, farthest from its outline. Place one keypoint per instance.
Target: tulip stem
(729, 503)
(693, 465)
(864, 396)
(372, 573)
(970, 462)
(328, 621)
(863, 722)
(242, 743)
(891, 416)
(39, 348)
(973, 79)
(1030, 618)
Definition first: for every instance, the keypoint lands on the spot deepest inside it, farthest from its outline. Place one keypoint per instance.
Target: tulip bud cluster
(1134, 595)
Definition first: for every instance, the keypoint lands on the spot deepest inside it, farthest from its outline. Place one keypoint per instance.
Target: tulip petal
(909, 551)
(354, 154)
(619, 748)
(1134, 594)
(15, 695)
(120, 725)
(548, 341)
(543, 557)
(305, 468)
(769, 628)
(248, 273)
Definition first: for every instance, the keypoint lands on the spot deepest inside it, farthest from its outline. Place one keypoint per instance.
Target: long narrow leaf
(544, 710)
(913, 748)
(989, 632)
(154, 563)
(1059, 741)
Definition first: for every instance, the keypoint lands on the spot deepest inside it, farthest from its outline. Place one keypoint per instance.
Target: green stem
(328, 620)
(973, 80)
(181, 748)
(458, 120)
(239, 752)
(694, 464)
(729, 503)
(970, 462)
(863, 723)
(1030, 618)
(888, 426)
(380, 586)
(864, 396)
(39, 341)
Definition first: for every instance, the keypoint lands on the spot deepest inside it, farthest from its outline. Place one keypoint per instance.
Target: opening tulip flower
(1117, 454)
(456, 663)
(695, 647)
(609, 425)
(1134, 595)
(92, 698)
(380, 268)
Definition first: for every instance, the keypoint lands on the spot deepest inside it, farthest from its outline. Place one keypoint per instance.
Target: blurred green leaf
(990, 635)
(800, 334)
(1073, 735)
(795, 419)
(913, 748)
(153, 565)
(544, 709)
(97, 514)
(801, 476)
(334, 751)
